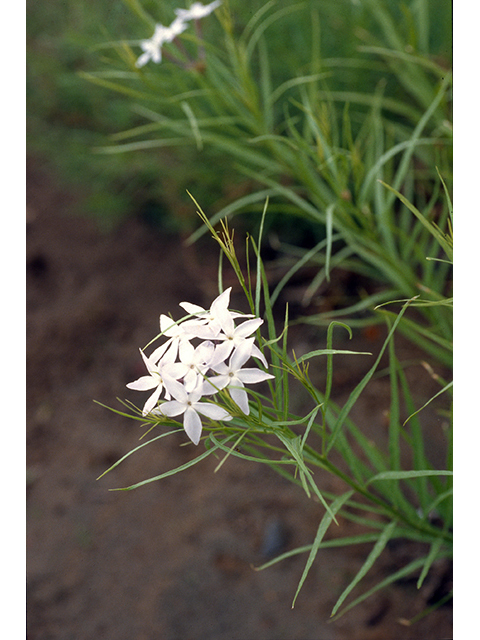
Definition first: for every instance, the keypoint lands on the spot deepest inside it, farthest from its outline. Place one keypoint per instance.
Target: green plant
(355, 148)
(321, 154)
(389, 498)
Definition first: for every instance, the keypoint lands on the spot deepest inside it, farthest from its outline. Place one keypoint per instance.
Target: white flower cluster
(152, 47)
(179, 369)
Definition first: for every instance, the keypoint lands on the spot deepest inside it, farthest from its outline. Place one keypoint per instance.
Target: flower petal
(156, 355)
(222, 351)
(241, 354)
(256, 353)
(214, 384)
(145, 383)
(186, 351)
(190, 380)
(251, 376)
(193, 309)
(152, 401)
(192, 425)
(212, 411)
(171, 408)
(240, 397)
(176, 389)
(248, 327)
(204, 352)
(222, 301)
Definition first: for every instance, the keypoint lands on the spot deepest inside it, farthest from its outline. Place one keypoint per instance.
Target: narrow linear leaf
(362, 384)
(435, 231)
(167, 473)
(258, 286)
(372, 557)
(331, 352)
(448, 386)
(322, 529)
(432, 554)
(393, 577)
(163, 435)
(327, 544)
(329, 233)
(405, 475)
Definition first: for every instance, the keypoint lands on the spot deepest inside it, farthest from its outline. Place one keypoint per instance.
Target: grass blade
(432, 554)
(171, 472)
(367, 565)
(406, 475)
(393, 577)
(362, 384)
(322, 529)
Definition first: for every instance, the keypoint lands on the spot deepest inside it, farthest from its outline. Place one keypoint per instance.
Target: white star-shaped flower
(190, 406)
(213, 318)
(160, 377)
(232, 337)
(196, 361)
(176, 332)
(233, 377)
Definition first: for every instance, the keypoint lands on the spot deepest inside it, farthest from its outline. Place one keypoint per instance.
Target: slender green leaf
(393, 577)
(367, 565)
(331, 352)
(405, 475)
(362, 384)
(434, 552)
(325, 544)
(445, 388)
(171, 472)
(439, 235)
(322, 529)
(144, 444)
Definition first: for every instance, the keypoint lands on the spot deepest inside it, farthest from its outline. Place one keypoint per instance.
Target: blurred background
(106, 254)
(70, 118)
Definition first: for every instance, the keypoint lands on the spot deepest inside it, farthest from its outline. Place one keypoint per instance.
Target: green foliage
(389, 498)
(68, 117)
(336, 117)
(341, 145)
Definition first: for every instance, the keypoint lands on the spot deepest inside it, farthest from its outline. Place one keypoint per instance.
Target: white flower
(218, 324)
(218, 314)
(190, 406)
(234, 377)
(180, 369)
(176, 332)
(160, 377)
(232, 337)
(196, 361)
(153, 46)
(197, 10)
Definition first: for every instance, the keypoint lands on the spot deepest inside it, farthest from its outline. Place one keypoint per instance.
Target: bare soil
(173, 560)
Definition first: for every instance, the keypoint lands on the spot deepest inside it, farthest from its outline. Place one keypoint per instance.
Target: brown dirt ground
(172, 560)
